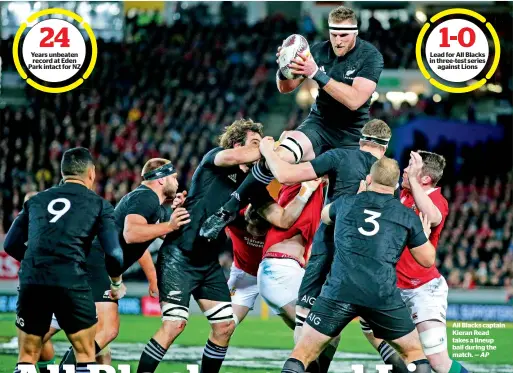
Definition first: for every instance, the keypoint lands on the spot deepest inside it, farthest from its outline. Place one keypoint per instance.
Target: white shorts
(427, 302)
(279, 280)
(55, 324)
(243, 287)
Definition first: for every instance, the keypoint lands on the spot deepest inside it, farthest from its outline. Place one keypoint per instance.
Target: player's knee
(440, 362)
(434, 341)
(174, 327)
(223, 331)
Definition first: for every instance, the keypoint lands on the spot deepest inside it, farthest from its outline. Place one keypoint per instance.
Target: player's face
(405, 184)
(342, 42)
(171, 186)
(253, 139)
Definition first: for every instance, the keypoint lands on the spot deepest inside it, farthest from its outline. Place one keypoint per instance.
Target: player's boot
(216, 223)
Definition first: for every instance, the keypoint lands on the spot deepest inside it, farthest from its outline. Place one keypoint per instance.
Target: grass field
(257, 346)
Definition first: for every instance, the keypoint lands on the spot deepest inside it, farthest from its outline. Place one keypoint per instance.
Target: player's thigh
(279, 281)
(243, 288)
(76, 310)
(316, 272)
(107, 328)
(329, 316)
(369, 334)
(388, 324)
(29, 347)
(34, 309)
(83, 343)
(317, 141)
(427, 302)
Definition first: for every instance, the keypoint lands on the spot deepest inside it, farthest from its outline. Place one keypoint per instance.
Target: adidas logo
(233, 177)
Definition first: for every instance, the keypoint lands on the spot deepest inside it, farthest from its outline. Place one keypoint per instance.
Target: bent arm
(424, 203)
(287, 173)
(137, 229)
(424, 254)
(353, 97)
(236, 156)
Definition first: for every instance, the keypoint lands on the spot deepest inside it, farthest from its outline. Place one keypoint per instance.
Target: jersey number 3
(58, 213)
(372, 219)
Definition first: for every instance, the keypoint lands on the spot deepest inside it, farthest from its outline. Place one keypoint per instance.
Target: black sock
(97, 348)
(326, 357)
(422, 366)
(390, 356)
(151, 357)
(17, 369)
(213, 357)
(82, 367)
(293, 366)
(259, 178)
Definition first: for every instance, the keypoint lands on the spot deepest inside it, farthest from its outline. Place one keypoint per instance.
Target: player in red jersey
(285, 254)
(248, 234)
(424, 290)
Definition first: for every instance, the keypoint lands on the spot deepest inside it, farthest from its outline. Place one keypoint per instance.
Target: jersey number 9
(58, 213)
(372, 219)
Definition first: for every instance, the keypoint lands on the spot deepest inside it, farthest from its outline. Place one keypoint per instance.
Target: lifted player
(249, 238)
(188, 264)
(140, 217)
(347, 70)
(424, 290)
(370, 231)
(59, 225)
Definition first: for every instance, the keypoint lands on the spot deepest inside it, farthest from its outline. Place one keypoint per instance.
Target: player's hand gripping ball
(289, 51)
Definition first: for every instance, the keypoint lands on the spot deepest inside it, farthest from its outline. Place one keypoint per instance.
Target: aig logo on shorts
(20, 321)
(308, 299)
(315, 319)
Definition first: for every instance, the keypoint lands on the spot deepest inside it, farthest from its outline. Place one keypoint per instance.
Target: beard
(170, 192)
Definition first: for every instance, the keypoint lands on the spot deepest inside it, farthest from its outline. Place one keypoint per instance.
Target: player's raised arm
(415, 180)
(285, 172)
(14, 243)
(421, 248)
(284, 218)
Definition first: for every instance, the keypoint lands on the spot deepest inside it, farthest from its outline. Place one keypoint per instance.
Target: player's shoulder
(369, 49)
(438, 199)
(209, 157)
(141, 193)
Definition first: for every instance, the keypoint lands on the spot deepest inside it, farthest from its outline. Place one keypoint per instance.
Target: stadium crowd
(169, 92)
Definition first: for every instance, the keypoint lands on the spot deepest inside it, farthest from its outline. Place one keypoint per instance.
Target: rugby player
(370, 231)
(249, 239)
(188, 264)
(347, 70)
(345, 169)
(59, 226)
(424, 290)
(140, 216)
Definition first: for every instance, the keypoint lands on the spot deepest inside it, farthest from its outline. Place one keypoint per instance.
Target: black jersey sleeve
(336, 207)
(14, 243)
(326, 163)
(144, 204)
(373, 66)
(210, 157)
(109, 240)
(416, 235)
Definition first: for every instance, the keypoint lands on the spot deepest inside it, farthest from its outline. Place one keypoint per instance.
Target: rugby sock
(326, 357)
(457, 368)
(151, 357)
(390, 356)
(260, 177)
(293, 366)
(42, 365)
(422, 366)
(17, 367)
(213, 357)
(82, 367)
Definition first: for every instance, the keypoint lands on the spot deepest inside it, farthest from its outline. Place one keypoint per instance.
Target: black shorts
(316, 272)
(73, 309)
(99, 281)
(178, 278)
(329, 317)
(324, 137)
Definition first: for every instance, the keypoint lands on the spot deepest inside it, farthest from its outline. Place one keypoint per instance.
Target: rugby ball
(290, 49)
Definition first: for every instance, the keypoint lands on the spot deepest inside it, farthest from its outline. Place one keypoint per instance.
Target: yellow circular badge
(457, 50)
(54, 51)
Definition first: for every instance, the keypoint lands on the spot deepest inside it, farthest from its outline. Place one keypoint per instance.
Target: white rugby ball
(290, 49)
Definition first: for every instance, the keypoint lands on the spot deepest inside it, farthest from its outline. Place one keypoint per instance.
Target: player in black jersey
(346, 167)
(141, 216)
(347, 70)
(188, 264)
(371, 231)
(59, 226)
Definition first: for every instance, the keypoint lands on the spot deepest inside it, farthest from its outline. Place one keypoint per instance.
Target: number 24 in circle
(61, 37)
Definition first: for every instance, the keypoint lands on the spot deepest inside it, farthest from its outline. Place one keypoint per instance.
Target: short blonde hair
(237, 132)
(385, 171)
(341, 14)
(153, 164)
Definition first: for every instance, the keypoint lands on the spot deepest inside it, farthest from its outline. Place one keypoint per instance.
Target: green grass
(252, 333)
